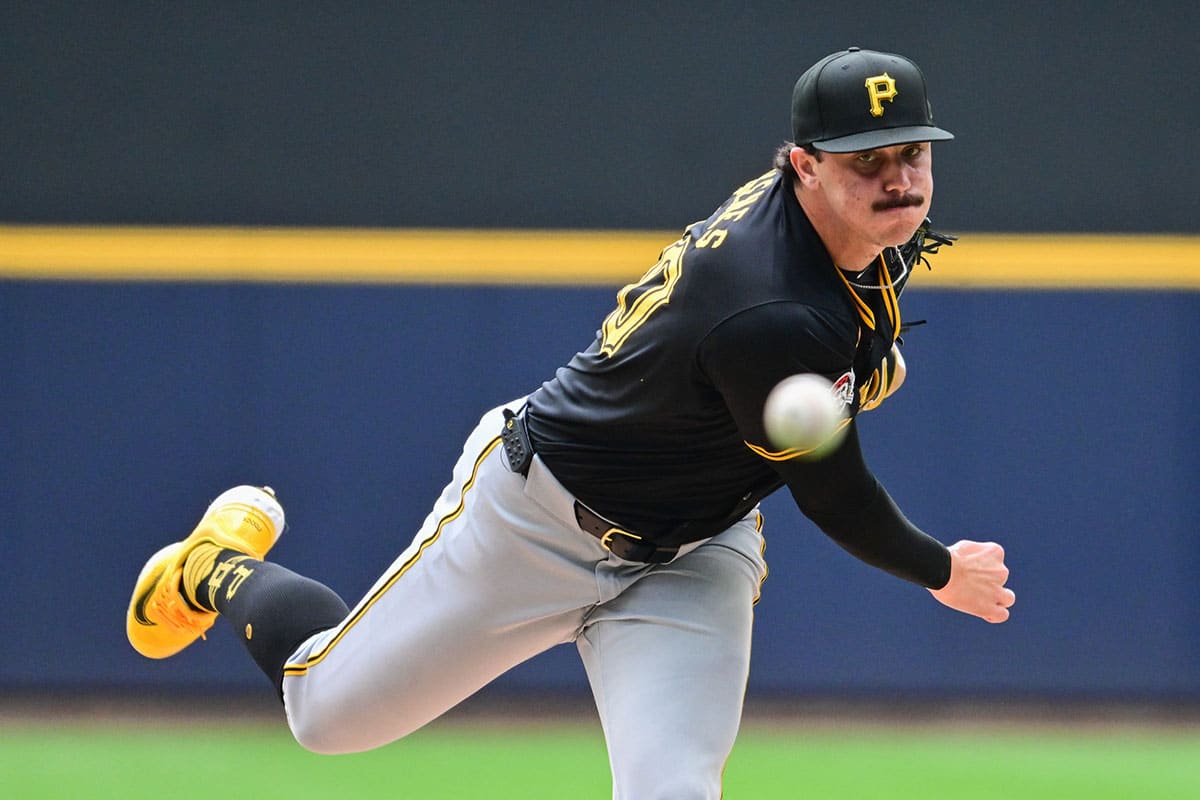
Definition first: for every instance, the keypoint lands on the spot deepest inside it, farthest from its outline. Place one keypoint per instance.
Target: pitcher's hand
(976, 585)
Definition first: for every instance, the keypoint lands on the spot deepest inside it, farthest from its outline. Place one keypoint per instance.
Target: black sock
(272, 609)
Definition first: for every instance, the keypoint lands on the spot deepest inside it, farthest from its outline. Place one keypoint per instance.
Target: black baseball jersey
(658, 425)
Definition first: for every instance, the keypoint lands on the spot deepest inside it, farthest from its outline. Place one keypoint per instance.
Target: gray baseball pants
(500, 572)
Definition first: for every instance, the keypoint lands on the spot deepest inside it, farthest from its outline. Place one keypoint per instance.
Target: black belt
(518, 450)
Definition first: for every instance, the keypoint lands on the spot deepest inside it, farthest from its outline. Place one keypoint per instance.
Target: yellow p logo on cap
(879, 88)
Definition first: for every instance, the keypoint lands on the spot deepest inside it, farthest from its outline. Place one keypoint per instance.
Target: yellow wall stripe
(328, 255)
(495, 257)
(1050, 261)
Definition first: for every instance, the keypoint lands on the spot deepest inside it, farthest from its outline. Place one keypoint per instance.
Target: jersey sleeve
(746, 355)
(744, 358)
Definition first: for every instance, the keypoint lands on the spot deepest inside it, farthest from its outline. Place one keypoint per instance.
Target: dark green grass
(129, 762)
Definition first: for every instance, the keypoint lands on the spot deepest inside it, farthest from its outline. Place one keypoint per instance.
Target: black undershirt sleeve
(845, 500)
(744, 358)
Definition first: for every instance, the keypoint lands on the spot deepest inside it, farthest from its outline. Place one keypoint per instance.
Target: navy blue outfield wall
(1059, 423)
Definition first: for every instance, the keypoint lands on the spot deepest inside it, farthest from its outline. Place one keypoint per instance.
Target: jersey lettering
(735, 209)
(637, 301)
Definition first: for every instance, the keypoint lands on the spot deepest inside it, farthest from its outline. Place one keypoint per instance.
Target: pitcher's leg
(668, 662)
(490, 581)
(670, 699)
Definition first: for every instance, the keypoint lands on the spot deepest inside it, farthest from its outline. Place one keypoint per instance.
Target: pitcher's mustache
(899, 202)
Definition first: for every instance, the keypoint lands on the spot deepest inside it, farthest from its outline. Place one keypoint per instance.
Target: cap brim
(871, 140)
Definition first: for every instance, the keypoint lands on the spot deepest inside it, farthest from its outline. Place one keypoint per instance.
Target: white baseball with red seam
(803, 413)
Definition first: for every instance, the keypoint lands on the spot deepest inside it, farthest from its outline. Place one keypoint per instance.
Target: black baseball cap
(859, 99)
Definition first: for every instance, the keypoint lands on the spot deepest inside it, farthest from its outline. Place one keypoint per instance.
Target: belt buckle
(606, 539)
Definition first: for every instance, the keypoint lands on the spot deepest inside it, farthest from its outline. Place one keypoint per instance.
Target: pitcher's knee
(322, 734)
(333, 731)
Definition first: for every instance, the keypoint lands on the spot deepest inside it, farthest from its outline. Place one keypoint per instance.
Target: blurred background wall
(1060, 422)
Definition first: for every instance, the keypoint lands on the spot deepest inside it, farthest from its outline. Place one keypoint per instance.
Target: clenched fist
(976, 585)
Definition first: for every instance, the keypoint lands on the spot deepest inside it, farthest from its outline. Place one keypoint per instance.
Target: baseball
(802, 413)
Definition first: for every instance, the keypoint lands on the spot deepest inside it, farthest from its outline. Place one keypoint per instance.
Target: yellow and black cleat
(161, 621)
